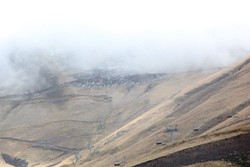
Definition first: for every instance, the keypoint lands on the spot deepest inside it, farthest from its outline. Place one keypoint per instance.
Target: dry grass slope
(93, 125)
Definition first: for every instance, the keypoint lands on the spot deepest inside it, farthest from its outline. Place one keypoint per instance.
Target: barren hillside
(99, 120)
(43, 127)
(205, 112)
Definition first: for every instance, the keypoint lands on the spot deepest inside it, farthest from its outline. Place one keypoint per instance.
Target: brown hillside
(93, 122)
(43, 128)
(207, 111)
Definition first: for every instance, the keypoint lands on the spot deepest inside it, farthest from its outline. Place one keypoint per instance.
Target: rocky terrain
(93, 81)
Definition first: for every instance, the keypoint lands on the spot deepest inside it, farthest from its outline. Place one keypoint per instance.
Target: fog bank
(39, 38)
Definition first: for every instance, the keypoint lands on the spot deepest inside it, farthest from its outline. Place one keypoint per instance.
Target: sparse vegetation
(14, 161)
(123, 119)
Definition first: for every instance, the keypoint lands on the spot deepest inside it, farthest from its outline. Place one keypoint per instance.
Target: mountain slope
(46, 126)
(213, 109)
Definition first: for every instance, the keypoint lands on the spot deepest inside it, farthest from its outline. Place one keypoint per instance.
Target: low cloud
(39, 40)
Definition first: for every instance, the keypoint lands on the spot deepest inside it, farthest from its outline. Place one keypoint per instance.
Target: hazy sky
(149, 35)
